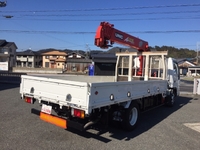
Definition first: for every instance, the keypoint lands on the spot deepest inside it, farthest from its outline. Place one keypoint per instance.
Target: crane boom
(107, 35)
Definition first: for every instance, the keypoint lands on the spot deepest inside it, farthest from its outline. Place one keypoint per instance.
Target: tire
(170, 99)
(131, 116)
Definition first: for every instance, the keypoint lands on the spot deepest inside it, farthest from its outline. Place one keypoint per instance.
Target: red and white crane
(107, 35)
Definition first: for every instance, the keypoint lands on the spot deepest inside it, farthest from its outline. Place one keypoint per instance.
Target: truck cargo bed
(87, 92)
(78, 78)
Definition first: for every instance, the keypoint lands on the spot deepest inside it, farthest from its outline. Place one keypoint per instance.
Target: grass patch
(188, 78)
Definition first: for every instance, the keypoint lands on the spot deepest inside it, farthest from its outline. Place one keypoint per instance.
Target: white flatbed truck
(80, 101)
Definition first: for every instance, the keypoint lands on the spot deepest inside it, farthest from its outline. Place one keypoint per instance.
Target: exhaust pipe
(90, 124)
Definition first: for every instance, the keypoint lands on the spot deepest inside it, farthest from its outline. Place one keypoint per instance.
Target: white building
(28, 58)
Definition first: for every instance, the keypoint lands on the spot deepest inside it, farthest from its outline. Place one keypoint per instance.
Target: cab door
(176, 77)
(173, 75)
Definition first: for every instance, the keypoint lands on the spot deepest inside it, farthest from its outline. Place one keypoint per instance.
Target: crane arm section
(107, 35)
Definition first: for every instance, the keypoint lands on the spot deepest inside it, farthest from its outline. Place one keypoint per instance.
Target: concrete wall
(37, 70)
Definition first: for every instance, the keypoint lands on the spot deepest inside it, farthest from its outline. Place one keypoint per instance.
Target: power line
(119, 19)
(112, 14)
(44, 32)
(172, 31)
(114, 8)
(66, 32)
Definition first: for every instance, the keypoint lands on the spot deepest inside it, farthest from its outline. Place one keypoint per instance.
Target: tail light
(78, 113)
(28, 100)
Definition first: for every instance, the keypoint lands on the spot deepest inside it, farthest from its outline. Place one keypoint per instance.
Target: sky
(72, 24)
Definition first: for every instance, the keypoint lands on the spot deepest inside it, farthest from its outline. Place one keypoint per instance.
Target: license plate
(46, 109)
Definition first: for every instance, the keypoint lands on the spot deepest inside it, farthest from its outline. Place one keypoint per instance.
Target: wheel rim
(133, 116)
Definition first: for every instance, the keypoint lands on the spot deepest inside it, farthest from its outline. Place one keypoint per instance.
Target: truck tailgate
(58, 91)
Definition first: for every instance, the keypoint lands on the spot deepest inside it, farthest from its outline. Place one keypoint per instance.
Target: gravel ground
(161, 128)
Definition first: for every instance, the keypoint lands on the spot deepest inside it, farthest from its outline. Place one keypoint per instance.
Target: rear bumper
(63, 123)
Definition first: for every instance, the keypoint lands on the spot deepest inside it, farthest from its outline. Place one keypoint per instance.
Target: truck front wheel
(131, 116)
(171, 98)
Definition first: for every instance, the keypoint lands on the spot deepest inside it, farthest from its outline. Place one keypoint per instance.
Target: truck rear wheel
(131, 116)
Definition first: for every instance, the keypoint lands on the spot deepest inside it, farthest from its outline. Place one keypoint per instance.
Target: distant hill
(172, 51)
(65, 50)
(119, 49)
(176, 52)
(47, 50)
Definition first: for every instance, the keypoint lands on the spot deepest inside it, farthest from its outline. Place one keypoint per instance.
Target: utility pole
(198, 46)
(87, 51)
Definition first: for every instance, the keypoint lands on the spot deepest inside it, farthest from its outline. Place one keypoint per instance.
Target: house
(104, 63)
(28, 58)
(184, 64)
(7, 55)
(77, 62)
(54, 59)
